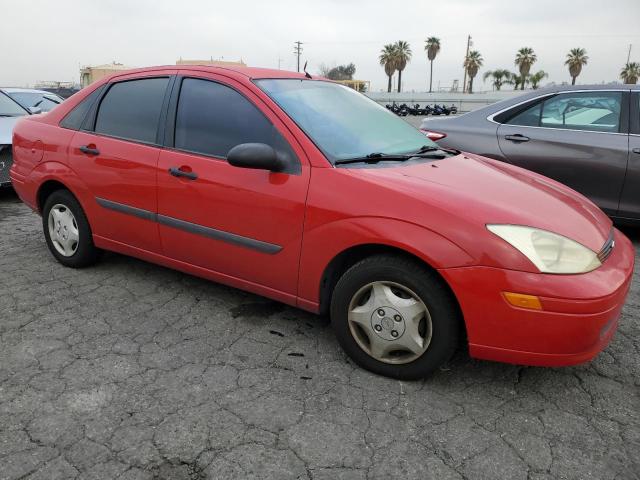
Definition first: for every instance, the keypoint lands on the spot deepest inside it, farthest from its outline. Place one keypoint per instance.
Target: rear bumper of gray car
(6, 160)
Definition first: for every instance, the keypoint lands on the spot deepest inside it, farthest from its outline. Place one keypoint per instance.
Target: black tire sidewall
(86, 252)
(442, 308)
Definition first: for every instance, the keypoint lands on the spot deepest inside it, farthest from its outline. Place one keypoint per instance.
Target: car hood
(6, 129)
(481, 191)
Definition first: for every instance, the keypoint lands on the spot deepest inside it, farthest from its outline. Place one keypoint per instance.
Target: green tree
(342, 72)
(630, 73)
(537, 77)
(525, 58)
(432, 47)
(402, 56)
(472, 64)
(388, 61)
(498, 77)
(576, 59)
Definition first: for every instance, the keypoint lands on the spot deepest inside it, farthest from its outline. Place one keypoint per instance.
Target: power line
(297, 50)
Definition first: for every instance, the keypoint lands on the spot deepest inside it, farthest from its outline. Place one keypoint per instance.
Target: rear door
(630, 199)
(578, 138)
(116, 155)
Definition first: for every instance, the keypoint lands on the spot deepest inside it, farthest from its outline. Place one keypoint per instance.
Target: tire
(405, 287)
(68, 217)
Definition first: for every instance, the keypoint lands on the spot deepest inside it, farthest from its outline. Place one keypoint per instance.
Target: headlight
(550, 252)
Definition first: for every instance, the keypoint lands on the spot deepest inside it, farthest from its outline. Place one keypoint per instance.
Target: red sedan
(307, 192)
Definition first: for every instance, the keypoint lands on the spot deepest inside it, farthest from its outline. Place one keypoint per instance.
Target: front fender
(322, 244)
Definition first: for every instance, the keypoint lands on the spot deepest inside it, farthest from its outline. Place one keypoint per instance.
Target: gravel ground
(132, 371)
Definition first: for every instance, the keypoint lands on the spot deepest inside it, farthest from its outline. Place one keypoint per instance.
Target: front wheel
(395, 317)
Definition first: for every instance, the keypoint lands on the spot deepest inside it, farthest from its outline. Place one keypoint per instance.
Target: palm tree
(388, 61)
(472, 64)
(537, 77)
(576, 59)
(402, 57)
(525, 58)
(432, 47)
(499, 76)
(630, 73)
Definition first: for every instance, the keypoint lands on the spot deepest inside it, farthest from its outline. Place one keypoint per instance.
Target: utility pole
(464, 82)
(629, 54)
(279, 62)
(297, 50)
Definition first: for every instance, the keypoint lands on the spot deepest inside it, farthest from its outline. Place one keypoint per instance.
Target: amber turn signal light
(523, 301)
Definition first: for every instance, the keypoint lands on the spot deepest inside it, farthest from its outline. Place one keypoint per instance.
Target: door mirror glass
(255, 155)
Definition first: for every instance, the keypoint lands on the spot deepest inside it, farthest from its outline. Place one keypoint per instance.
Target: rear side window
(76, 116)
(592, 111)
(212, 119)
(131, 109)
(589, 111)
(527, 118)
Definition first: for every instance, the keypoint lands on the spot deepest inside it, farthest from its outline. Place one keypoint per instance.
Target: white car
(34, 100)
(15, 103)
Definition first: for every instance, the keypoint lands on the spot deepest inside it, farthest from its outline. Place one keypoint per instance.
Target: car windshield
(343, 123)
(9, 108)
(35, 99)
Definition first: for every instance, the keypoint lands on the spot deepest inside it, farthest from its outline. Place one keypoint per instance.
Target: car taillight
(431, 135)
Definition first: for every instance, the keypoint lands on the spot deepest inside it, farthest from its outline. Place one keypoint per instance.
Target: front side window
(131, 109)
(212, 118)
(9, 108)
(343, 123)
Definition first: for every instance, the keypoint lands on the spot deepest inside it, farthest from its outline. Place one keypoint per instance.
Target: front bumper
(579, 313)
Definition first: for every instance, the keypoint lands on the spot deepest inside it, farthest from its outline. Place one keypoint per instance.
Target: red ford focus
(307, 192)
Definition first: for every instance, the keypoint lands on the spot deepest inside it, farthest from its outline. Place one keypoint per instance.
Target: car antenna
(306, 74)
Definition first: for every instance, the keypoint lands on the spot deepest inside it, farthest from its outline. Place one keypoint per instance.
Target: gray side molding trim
(119, 207)
(228, 237)
(213, 233)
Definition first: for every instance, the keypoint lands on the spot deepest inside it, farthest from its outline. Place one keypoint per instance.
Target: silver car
(15, 103)
(585, 137)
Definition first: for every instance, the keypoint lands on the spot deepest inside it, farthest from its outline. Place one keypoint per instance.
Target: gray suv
(585, 137)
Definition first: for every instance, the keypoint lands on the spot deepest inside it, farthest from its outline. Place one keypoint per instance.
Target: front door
(117, 157)
(242, 223)
(577, 138)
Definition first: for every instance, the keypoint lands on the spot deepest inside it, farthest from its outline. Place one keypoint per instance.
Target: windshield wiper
(374, 158)
(425, 151)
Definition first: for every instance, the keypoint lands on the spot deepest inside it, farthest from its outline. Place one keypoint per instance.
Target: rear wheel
(67, 231)
(395, 317)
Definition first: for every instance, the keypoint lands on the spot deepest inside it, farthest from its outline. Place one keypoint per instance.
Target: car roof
(248, 72)
(600, 86)
(24, 90)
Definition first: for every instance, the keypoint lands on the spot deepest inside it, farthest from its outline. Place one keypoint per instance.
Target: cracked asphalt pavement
(128, 370)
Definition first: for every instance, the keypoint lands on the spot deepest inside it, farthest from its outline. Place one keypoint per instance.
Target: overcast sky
(48, 40)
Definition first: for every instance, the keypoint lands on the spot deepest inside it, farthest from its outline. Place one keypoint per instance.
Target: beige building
(89, 74)
(212, 62)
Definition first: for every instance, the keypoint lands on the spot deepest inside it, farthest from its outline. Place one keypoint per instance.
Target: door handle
(180, 172)
(89, 150)
(636, 150)
(516, 138)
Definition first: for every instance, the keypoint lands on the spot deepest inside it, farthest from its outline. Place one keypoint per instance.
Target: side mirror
(35, 110)
(255, 155)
